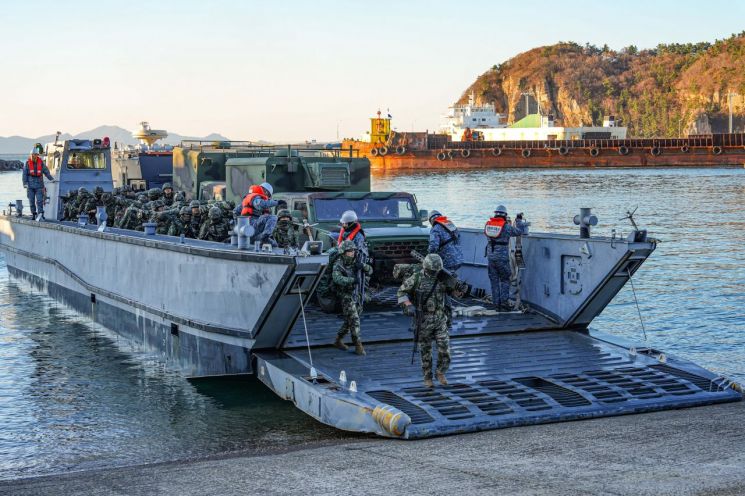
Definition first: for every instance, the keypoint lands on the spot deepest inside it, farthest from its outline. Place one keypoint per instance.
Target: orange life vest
(35, 167)
(494, 226)
(351, 235)
(248, 208)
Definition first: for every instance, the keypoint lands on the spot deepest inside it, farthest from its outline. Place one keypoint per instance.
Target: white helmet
(348, 216)
(268, 188)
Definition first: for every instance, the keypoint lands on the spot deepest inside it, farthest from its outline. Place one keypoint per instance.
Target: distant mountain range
(22, 145)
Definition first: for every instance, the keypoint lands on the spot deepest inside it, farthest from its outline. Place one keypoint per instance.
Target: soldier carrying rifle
(428, 289)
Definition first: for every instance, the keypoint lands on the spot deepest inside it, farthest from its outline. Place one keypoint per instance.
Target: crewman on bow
(444, 240)
(256, 202)
(498, 231)
(33, 180)
(351, 229)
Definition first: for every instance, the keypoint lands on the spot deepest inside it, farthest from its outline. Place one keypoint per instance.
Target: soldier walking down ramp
(444, 239)
(346, 267)
(33, 181)
(498, 232)
(429, 294)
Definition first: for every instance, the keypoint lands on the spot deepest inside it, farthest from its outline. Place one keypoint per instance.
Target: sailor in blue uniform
(444, 240)
(498, 232)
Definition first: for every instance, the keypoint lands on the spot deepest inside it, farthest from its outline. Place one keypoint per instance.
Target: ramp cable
(313, 373)
(641, 321)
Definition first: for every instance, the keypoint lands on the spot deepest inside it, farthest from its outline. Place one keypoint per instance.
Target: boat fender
(717, 150)
(563, 151)
(374, 152)
(465, 153)
(496, 151)
(450, 154)
(400, 150)
(594, 151)
(623, 150)
(441, 156)
(383, 151)
(655, 151)
(391, 419)
(685, 148)
(526, 152)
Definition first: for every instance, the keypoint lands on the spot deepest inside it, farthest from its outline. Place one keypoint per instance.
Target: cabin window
(86, 160)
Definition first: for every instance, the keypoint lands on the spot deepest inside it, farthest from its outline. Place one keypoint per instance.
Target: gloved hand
(409, 310)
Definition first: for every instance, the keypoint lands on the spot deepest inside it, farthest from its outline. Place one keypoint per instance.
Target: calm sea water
(75, 396)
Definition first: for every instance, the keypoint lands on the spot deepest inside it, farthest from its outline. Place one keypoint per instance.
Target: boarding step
(496, 381)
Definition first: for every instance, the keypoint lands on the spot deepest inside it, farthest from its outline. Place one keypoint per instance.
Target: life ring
(400, 150)
(496, 152)
(623, 150)
(449, 153)
(383, 151)
(563, 151)
(374, 152)
(465, 153)
(526, 152)
(441, 156)
(594, 151)
(655, 151)
(685, 148)
(717, 150)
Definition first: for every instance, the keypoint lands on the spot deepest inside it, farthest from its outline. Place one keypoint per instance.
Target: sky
(291, 70)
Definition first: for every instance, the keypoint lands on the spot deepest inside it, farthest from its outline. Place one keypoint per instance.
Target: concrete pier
(697, 451)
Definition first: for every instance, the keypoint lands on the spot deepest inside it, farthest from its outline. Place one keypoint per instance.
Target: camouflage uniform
(444, 239)
(498, 256)
(179, 224)
(434, 314)
(346, 286)
(133, 217)
(70, 208)
(216, 228)
(109, 201)
(168, 196)
(264, 227)
(285, 234)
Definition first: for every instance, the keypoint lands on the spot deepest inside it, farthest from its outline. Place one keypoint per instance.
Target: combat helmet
(167, 186)
(348, 245)
(185, 211)
(194, 204)
(154, 193)
(215, 213)
(98, 191)
(284, 213)
(82, 191)
(157, 204)
(501, 211)
(432, 263)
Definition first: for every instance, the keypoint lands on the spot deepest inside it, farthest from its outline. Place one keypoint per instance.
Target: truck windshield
(86, 160)
(395, 208)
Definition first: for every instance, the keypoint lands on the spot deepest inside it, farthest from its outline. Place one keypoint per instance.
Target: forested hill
(665, 91)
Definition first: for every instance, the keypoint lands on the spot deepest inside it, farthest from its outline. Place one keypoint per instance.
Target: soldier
(82, 203)
(70, 209)
(154, 194)
(498, 231)
(285, 234)
(93, 201)
(430, 302)
(347, 286)
(33, 171)
(196, 217)
(444, 239)
(216, 228)
(162, 221)
(132, 216)
(109, 201)
(168, 197)
(181, 224)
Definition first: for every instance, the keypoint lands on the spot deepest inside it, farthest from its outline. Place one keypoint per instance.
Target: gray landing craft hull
(202, 305)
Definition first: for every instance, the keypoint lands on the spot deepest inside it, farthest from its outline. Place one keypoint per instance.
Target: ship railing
(248, 146)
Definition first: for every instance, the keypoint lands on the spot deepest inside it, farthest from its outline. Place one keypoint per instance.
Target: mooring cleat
(442, 379)
(428, 383)
(338, 343)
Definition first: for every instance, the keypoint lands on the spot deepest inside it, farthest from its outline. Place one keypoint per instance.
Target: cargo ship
(476, 136)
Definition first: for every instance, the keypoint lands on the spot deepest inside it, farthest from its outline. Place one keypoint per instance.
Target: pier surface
(690, 451)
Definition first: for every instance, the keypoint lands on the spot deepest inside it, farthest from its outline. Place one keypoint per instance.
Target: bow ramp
(508, 369)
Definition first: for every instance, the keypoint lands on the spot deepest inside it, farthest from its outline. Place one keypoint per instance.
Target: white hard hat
(268, 188)
(348, 216)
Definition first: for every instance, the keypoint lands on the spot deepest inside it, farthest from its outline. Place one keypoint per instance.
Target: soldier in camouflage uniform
(347, 287)
(181, 224)
(133, 217)
(154, 194)
(195, 223)
(444, 239)
(425, 293)
(109, 201)
(70, 208)
(498, 231)
(168, 196)
(216, 228)
(285, 234)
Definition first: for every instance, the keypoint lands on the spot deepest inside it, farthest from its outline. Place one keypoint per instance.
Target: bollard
(584, 220)
(19, 208)
(149, 228)
(101, 215)
(83, 220)
(245, 231)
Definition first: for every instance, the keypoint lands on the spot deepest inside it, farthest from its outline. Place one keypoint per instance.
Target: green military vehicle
(318, 185)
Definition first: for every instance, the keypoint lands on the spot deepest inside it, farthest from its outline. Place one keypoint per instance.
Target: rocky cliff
(670, 90)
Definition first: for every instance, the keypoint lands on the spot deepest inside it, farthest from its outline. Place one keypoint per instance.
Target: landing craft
(242, 311)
